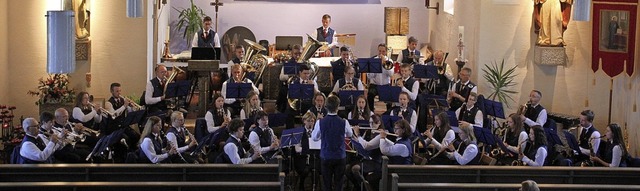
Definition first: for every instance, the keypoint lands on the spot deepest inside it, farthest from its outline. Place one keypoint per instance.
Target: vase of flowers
(53, 92)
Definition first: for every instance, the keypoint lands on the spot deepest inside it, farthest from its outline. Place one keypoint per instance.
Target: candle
(168, 31)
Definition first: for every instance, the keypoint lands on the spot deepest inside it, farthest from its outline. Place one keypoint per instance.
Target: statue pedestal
(545, 55)
(83, 49)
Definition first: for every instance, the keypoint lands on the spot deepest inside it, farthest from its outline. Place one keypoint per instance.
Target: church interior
(590, 69)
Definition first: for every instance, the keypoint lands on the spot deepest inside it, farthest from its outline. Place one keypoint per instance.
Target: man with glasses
(34, 150)
(460, 90)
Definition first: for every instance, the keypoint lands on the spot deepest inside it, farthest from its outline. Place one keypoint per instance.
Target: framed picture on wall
(614, 37)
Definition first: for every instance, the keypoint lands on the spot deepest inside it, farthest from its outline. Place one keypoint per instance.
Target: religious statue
(613, 30)
(551, 19)
(82, 14)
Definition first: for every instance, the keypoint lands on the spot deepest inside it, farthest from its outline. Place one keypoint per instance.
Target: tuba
(253, 61)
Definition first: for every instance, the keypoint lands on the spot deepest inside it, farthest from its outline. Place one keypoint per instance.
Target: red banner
(614, 38)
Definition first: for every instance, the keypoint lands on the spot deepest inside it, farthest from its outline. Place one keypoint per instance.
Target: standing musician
(367, 171)
(86, 113)
(405, 112)
(467, 152)
(379, 79)
(303, 77)
(589, 136)
(440, 136)
(332, 130)
(177, 136)
(535, 114)
(537, 150)
(233, 150)
(154, 97)
(237, 76)
(440, 86)
(281, 102)
(514, 137)
(408, 84)
(33, 149)
(411, 55)
(304, 160)
(206, 37)
(616, 153)
(361, 111)
(217, 117)
(400, 152)
(263, 139)
(154, 147)
(69, 153)
(251, 106)
(326, 34)
(339, 66)
(318, 109)
(469, 112)
(460, 90)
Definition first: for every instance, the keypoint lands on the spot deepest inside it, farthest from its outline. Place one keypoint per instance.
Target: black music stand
(369, 65)
(349, 97)
(389, 93)
(389, 121)
(436, 100)
(301, 91)
(104, 143)
(503, 147)
(484, 135)
(360, 123)
(277, 119)
(134, 117)
(209, 140)
(178, 89)
(425, 71)
(364, 153)
(247, 123)
(291, 137)
(291, 68)
(238, 90)
(494, 108)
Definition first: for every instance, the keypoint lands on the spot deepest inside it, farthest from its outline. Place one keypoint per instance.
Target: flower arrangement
(55, 89)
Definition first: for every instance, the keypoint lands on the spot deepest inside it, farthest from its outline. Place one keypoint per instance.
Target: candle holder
(165, 52)
(461, 64)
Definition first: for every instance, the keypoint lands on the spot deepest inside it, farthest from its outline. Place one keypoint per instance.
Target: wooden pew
(395, 186)
(507, 175)
(137, 186)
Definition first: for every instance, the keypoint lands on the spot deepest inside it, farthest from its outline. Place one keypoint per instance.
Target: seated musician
(304, 104)
(237, 76)
(34, 150)
(349, 82)
(251, 106)
(154, 98)
(119, 106)
(589, 136)
(534, 113)
(318, 108)
(338, 68)
(440, 136)
(379, 79)
(263, 139)
(281, 102)
(367, 171)
(405, 112)
(467, 152)
(303, 158)
(69, 153)
(296, 53)
(177, 136)
(460, 90)
(217, 117)
(408, 84)
(411, 55)
(513, 137)
(469, 112)
(154, 147)
(537, 150)
(233, 150)
(238, 56)
(361, 111)
(615, 154)
(440, 85)
(85, 112)
(46, 128)
(400, 152)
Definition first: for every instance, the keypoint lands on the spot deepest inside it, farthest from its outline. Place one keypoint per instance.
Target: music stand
(208, 140)
(238, 90)
(277, 119)
(360, 123)
(364, 153)
(453, 119)
(178, 89)
(388, 121)
(425, 71)
(291, 68)
(494, 108)
(436, 100)
(291, 137)
(349, 97)
(247, 123)
(389, 93)
(134, 117)
(301, 91)
(369, 65)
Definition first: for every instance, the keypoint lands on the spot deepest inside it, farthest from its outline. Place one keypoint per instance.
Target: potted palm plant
(190, 20)
(500, 80)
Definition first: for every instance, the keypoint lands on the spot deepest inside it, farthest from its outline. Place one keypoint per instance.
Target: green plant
(500, 80)
(191, 20)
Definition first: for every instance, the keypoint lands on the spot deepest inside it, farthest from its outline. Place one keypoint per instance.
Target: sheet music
(314, 145)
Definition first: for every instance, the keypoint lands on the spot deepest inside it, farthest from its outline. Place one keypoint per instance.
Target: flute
(378, 131)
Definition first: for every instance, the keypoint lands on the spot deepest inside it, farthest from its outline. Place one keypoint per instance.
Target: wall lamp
(428, 5)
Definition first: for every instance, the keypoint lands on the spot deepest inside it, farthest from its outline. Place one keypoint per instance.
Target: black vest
(322, 38)
(512, 138)
(208, 41)
(158, 91)
(406, 114)
(608, 155)
(583, 141)
(88, 124)
(468, 116)
(332, 134)
(180, 136)
(532, 113)
(40, 144)
(218, 117)
(406, 56)
(464, 91)
(476, 160)
(236, 60)
(437, 135)
(118, 121)
(530, 151)
(315, 111)
(157, 147)
(224, 158)
(399, 159)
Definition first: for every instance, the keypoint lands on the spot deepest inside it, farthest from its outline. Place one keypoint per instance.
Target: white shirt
(116, 112)
(254, 140)
(453, 87)
(30, 151)
(413, 93)
(147, 147)
(594, 141)
(521, 139)
(469, 154)
(371, 144)
(414, 119)
(617, 156)
(232, 151)
(358, 85)
(316, 134)
(383, 78)
(446, 140)
(351, 117)
(541, 154)
(401, 56)
(542, 118)
(148, 95)
(334, 42)
(211, 122)
(216, 39)
(231, 100)
(79, 115)
(477, 120)
(392, 149)
(171, 138)
(244, 114)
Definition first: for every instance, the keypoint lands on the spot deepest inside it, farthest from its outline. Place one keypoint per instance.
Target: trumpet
(133, 104)
(103, 111)
(71, 138)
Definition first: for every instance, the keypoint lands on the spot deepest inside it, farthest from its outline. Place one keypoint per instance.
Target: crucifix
(216, 4)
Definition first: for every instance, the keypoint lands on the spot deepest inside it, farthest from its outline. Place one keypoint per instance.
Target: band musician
(238, 76)
(379, 79)
(460, 90)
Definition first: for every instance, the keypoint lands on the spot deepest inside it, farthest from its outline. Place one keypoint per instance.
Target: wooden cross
(216, 4)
